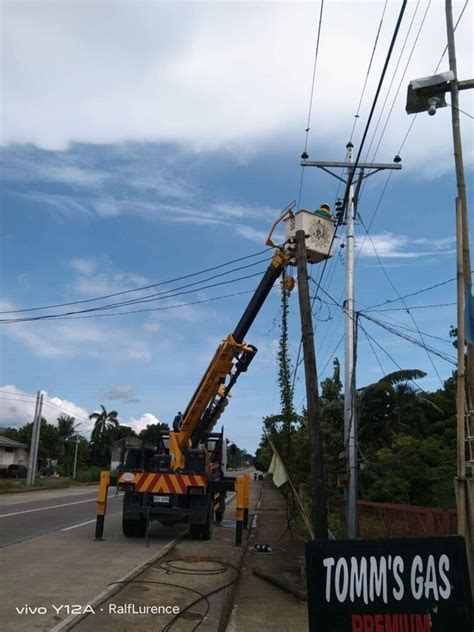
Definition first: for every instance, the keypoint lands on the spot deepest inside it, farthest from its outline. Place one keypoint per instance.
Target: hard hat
(325, 207)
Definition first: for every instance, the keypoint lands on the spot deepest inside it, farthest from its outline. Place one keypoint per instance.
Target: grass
(84, 477)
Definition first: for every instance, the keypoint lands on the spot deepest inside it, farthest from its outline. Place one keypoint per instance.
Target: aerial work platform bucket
(319, 231)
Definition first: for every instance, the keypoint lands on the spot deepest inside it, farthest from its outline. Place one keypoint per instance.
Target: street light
(428, 93)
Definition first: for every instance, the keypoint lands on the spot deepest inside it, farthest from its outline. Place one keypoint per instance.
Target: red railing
(387, 520)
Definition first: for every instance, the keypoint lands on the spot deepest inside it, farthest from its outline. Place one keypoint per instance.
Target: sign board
(396, 585)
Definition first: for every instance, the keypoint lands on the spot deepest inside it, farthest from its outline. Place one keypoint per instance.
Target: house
(12, 452)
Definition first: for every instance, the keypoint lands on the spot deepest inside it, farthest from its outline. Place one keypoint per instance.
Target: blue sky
(146, 141)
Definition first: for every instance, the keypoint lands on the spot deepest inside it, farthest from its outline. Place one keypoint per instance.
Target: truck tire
(195, 531)
(133, 528)
(203, 531)
(208, 526)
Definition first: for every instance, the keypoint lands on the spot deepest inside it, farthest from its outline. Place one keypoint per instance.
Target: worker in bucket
(324, 211)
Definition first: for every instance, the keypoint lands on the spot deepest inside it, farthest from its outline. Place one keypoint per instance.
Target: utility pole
(35, 434)
(350, 413)
(319, 503)
(75, 452)
(75, 457)
(464, 487)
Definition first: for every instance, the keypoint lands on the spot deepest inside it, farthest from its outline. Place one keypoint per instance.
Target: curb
(230, 596)
(70, 622)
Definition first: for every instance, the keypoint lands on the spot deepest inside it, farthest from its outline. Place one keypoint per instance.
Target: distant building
(12, 452)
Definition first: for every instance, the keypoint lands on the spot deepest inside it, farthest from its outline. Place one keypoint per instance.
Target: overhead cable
(138, 289)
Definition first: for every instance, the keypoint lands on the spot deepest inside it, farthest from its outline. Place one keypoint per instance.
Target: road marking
(76, 502)
(74, 526)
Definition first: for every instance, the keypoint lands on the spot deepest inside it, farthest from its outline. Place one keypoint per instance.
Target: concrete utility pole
(464, 487)
(75, 452)
(35, 435)
(319, 503)
(350, 412)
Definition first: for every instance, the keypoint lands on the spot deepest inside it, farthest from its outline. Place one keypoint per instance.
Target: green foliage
(412, 470)
(152, 433)
(91, 475)
(51, 446)
(407, 441)
(102, 435)
(288, 415)
(237, 457)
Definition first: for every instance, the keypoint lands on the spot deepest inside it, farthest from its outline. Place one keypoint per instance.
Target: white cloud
(76, 338)
(17, 408)
(142, 422)
(97, 278)
(122, 392)
(209, 75)
(84, 265)
(388, 245)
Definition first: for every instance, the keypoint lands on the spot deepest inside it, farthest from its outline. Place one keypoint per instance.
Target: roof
(6, 442)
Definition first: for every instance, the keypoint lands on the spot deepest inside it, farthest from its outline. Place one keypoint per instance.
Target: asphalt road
(25, 516)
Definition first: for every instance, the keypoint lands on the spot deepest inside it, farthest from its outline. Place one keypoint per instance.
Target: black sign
(399, 585)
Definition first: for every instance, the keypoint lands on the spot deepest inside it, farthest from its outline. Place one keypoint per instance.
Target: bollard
(101, 505)
(239, 508)
(246, 500)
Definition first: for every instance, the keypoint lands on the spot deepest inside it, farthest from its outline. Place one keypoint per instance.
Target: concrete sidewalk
(258, 604)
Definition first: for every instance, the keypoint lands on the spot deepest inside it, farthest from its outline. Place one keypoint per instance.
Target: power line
(410, 307)
(414, 341)
(403, 326)
(374, 352)
(372, 109)
(354, 168)
(388, 355)
(400, 82)
(435, 71)
(154, 309)
(455, 27)
(310, 106)
(356, 117)
(138, 289)
(416, 293)
(139, 301)
(387, 276)
(410, 127)
(331, 355)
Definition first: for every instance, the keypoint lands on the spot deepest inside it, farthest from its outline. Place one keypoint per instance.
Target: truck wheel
(133, 528)
(195, 531)
(208, 526)
(203, 531)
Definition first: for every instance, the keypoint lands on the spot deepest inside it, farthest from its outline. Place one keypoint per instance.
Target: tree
(50, 447)
(66, 426)
(392, 406)
(101, 437)
(152, 433)
(66, 432)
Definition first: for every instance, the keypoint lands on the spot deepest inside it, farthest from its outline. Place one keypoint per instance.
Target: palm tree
(101, 436)
(392, 405)
(66, 426)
